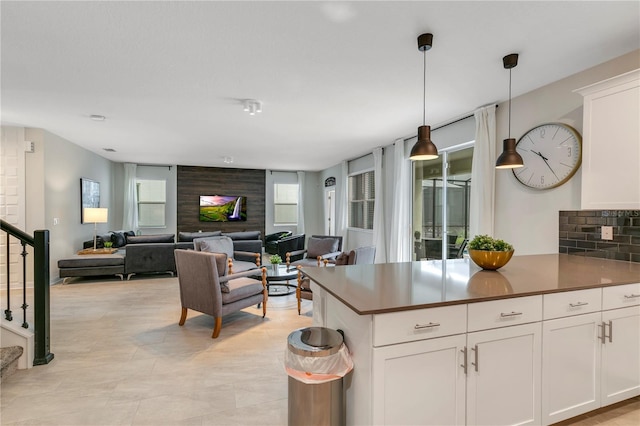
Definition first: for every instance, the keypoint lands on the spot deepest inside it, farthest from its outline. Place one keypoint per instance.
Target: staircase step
(9, 360)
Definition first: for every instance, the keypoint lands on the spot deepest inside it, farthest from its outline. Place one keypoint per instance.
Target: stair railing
(41, 309)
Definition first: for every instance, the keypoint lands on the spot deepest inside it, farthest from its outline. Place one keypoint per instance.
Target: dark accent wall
(580, 234)
(196, 181)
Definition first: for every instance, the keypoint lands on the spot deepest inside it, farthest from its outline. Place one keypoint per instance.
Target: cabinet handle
(632, 296)
(603, 336)
(475, 357)
(511, 314)
(578, 304)
(464, 360)
(430, 325)
(610, 331)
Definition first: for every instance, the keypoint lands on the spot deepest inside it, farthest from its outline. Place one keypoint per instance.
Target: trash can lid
(315, 341)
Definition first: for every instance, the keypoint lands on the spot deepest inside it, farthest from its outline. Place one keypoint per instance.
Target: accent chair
(206, 288)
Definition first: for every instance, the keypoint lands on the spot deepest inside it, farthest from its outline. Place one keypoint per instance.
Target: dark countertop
(390, 287)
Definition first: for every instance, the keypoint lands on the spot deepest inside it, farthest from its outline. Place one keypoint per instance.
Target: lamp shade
(96, 215)
(509, 159)
(424, 149)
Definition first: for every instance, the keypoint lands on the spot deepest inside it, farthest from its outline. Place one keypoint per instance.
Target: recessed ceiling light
(97, 117)
(109, 149)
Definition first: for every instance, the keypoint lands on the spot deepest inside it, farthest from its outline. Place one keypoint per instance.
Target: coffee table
(278, 280)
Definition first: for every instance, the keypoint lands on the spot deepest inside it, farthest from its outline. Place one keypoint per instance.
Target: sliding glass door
(441, 204)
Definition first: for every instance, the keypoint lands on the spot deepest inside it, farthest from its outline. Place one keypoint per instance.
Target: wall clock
(551, 152)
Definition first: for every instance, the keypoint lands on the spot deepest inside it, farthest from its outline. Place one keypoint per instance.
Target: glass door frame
(444, 157)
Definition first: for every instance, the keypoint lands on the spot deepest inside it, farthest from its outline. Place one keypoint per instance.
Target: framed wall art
(89, 195)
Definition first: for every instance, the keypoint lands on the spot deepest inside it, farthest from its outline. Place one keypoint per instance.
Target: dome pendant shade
(424, 149)
(509, 159)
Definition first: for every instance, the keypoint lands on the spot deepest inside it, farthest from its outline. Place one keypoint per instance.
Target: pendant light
(424, 149)
(509, 159)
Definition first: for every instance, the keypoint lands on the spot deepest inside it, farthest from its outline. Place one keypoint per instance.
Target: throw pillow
(342, 259)
(215, 245)
(320, 246)
(118, 239)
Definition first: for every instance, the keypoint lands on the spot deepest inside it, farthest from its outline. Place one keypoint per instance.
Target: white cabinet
(611, 143)
(620, 375)
(420, 383)
(503, 382)
(591, 358)
(571, 373)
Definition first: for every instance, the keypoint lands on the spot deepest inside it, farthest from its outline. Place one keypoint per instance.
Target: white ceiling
(336, 78)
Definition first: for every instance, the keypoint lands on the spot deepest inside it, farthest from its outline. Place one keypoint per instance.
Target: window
(362, 194)
(152, 198)
(285, 204)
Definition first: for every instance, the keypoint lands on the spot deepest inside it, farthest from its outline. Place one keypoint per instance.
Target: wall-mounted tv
(222, 208)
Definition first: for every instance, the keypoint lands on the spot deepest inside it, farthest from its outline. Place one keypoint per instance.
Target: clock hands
(546, 161)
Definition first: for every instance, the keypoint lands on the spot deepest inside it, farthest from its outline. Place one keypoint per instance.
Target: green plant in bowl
(490, 253)
(275, 259)
(108, 244)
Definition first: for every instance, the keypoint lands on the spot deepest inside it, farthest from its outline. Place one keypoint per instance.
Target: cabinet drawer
(570, 303)
(620, 296)
(506, 312)
(419, 324)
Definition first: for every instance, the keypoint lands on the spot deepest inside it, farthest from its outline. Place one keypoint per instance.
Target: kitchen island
(449, 343)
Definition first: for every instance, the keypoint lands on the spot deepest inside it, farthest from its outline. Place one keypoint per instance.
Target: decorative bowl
(490, 260)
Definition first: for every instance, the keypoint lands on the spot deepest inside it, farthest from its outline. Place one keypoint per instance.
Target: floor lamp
(95, 215)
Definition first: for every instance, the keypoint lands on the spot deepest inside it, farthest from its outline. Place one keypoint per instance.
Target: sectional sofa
(143, 254)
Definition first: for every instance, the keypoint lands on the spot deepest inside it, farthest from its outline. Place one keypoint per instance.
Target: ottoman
(91, 265)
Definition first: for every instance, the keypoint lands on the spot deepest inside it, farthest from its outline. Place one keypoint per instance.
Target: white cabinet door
(503, 382)
(620, 375)
(571, 372)
(420, 383)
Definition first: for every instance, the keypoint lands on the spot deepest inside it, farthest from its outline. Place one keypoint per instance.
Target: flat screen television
(222, 208)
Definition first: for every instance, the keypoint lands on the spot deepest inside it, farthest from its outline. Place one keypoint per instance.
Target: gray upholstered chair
(204, 287)
(359, 256)
(319, 248)
(224, 244)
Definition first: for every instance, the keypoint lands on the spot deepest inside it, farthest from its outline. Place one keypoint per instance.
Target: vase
(274, 266)
(490, 260)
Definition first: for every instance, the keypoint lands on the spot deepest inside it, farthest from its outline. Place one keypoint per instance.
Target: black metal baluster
(7, 312)
(25, 324)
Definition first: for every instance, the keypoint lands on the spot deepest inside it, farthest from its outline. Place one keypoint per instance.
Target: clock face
(551, 152)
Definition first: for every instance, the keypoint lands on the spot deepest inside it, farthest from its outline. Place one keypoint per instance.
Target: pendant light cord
(424, 94)
(509, 103)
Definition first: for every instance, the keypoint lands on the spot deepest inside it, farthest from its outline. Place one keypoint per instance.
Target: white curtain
(301, 192)
(342, 205)
(379, 240)
(483, 166)
(400, 239)
(130, 213)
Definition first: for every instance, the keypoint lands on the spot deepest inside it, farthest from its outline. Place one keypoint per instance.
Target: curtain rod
(155, 165)
(447, 124)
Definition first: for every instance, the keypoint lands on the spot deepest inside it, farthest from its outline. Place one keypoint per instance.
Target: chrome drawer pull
(610, 331)
(475, 356)
(512, 314)
(576, 305)
(633, 296)
(603, 337)
(464, 360)
(430, 325)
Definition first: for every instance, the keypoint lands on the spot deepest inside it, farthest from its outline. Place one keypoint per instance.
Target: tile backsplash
(580, 234)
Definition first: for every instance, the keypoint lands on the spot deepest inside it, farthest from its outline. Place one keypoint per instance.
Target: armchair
(224, 244)
(205, 289)
(289, 244)
(319, 248)
(271, 241)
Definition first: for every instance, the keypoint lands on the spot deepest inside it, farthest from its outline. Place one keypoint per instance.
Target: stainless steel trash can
(316, 362)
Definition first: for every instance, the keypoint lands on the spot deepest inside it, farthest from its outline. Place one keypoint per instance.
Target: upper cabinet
(611, 143)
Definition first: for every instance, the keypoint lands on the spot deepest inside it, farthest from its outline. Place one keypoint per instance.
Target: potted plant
(490, 253)
(108, 244)
(275, 260)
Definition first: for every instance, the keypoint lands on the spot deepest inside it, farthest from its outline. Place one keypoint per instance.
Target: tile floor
(121, 359)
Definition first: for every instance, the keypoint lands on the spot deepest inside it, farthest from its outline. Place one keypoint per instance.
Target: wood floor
(122, 359)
